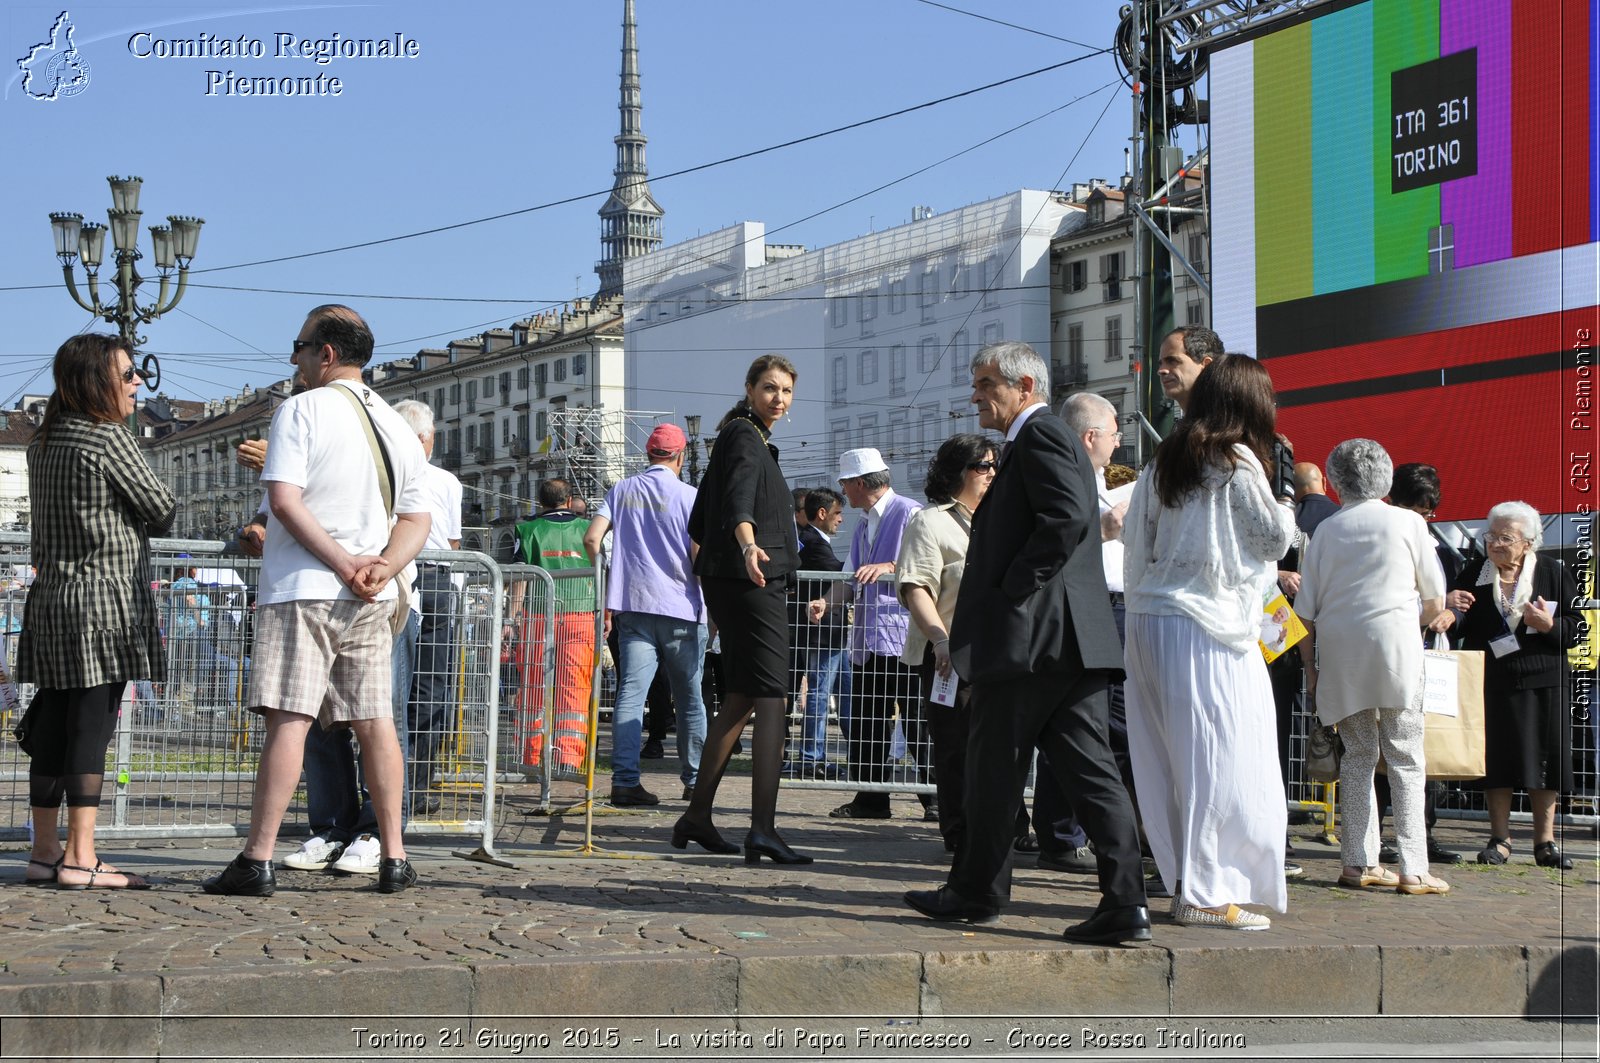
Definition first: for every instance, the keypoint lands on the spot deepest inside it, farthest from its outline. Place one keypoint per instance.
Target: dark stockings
(81, 791)
(767, 750)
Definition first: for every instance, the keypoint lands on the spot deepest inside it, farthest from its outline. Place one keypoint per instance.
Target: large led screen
(1405, 232)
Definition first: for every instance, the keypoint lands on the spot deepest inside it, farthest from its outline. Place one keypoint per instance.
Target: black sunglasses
(987, 465)
(130, 374)
(300, 345)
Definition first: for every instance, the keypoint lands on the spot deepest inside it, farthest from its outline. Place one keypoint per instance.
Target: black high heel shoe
(684, 832)
(772, 847)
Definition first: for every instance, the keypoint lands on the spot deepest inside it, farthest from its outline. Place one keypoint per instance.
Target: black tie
(1005, 451)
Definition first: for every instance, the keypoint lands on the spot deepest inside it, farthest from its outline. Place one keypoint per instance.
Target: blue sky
(509, 106)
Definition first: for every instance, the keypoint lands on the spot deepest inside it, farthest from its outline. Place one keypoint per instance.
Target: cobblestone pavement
(829, 939)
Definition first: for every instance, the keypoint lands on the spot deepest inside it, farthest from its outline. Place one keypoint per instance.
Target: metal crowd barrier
(183, 759)
(494, 710)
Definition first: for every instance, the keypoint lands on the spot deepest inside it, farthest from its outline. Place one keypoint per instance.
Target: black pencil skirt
(754, 626)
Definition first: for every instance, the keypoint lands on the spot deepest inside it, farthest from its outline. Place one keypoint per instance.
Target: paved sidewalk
(645, 946)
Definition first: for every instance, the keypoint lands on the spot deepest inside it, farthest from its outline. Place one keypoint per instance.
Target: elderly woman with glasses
(1517, 610)
(933, 555)
(1369, 582)
(89, 625)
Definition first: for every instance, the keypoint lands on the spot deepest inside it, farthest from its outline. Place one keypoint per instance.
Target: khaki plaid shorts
(328, 659)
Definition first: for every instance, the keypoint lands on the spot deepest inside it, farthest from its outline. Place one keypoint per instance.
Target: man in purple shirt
(882, 684)
(653, 598)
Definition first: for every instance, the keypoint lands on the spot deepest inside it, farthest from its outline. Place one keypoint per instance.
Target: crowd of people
(1030, 619)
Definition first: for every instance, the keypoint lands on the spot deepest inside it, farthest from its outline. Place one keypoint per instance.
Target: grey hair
(1015, 360)
(1524, 516)
(1083, 409)
(417, 415)
(874, 480)
(1360, 469)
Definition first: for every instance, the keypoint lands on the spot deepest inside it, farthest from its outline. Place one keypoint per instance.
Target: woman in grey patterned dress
(89, 625)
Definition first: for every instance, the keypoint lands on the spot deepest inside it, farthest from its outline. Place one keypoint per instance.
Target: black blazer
(816, 552)
(1541, 659)
(1033, 598)
(743, 483)
(816, 555)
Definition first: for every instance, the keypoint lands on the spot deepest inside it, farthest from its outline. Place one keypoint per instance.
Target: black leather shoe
(396, 875)
(684, 832)
(851, 810)
(946, 904)
(930, 812)
(1080, 861)
(688, 793)
(632, 796)
(652, 750)
(1112, 926)
(1388, 854)
(426, 804)
(772, 847)
(243, 878)
(1439, 855)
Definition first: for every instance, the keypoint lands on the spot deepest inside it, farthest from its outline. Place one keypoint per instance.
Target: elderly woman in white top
(1369, 581)
(933, 555)
(1204, 536)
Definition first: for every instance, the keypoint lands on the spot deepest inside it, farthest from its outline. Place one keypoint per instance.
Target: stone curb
(195, 1013)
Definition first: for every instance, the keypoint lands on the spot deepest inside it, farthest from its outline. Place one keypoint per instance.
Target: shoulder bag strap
(380, 458)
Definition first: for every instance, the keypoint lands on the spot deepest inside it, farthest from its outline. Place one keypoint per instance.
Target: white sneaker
(361, 857)
(315, 854)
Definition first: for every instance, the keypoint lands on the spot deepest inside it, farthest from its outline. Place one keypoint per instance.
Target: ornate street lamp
(173, 246)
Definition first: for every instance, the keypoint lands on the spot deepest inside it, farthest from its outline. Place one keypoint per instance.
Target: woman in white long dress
(1204, 535)
(1369, 582)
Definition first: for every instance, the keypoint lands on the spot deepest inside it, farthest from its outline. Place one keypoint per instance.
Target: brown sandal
(44, 880)
(131, 881)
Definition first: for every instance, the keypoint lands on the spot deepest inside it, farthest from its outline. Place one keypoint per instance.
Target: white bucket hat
(853, 463)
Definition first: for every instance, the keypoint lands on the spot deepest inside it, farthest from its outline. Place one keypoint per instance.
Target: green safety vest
(555, 545)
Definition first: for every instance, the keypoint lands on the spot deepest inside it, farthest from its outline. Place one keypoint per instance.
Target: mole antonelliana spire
(630, 221)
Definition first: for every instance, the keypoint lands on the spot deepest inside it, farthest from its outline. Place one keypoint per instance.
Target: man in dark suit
(1034, 635)
(822, 651)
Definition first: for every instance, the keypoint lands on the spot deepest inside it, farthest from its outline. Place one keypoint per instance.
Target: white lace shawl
(1213, 557)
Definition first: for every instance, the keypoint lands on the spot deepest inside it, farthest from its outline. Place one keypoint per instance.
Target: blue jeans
(827, 672)
(337, 802)
(679, 647)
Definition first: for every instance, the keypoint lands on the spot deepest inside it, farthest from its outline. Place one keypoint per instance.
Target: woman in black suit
(743, 522)
(1518, 612)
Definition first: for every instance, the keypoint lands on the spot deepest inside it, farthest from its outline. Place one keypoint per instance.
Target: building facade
(1094, 342)
(881, 328)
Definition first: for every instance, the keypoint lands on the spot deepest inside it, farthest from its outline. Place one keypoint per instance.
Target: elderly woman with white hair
(1369, 581)
(1517, 610)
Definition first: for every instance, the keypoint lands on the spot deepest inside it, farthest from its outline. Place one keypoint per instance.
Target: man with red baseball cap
(654, 600)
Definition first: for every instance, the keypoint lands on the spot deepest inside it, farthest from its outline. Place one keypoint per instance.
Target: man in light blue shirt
(653, 598)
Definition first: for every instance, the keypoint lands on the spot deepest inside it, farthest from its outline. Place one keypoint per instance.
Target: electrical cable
(663, 177)
(1010, 25)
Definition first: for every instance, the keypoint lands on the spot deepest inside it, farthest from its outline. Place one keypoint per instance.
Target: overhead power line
(1001, 22)
(667, 176)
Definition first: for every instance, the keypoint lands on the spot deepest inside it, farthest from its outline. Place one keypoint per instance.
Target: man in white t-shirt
(322, 635)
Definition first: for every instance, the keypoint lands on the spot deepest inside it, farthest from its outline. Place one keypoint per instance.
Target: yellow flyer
(1280, 628)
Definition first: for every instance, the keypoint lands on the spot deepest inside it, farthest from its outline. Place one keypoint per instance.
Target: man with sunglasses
(322, 628)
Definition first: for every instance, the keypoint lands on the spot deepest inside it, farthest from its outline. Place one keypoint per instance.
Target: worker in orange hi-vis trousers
(553, 540)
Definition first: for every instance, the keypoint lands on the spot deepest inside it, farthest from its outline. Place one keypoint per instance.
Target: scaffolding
(593, 447)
